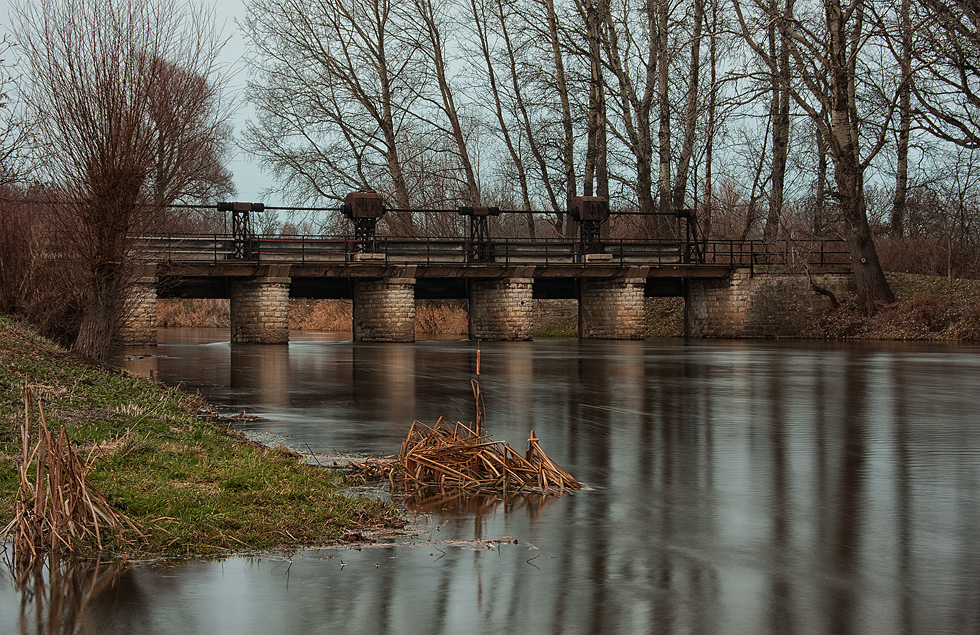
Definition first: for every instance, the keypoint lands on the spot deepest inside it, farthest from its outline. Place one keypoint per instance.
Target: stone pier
(502, 309)
(611, 309)
(139, 327)
(384, 310)
(260, 310)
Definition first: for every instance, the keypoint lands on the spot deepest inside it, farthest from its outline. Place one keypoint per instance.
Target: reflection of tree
(56, 594)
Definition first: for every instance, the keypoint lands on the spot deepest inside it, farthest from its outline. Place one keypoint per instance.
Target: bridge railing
(308, 249)
(787, 253)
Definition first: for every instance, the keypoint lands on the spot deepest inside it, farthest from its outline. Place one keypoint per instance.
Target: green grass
(562, 328)
(193, 486)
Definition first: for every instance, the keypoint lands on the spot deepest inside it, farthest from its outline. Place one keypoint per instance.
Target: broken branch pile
(454, 455)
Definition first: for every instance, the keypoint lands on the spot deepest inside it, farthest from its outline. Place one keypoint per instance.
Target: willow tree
(125, 97)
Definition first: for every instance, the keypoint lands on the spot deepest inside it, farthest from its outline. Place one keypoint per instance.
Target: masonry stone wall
(611, 309)
(260, 311)
(384, 310)
(760, 304)
(139, 327)
(502, 309)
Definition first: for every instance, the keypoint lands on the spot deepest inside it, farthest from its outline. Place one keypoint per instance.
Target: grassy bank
(928, 308)
(194, 487)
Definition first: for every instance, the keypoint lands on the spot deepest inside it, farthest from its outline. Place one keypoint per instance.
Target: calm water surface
(743, 488)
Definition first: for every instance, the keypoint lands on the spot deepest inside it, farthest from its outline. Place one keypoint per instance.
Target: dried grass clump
(447, 317)
(320, 315)
(453, 455)
(193, 312)
(58, 509)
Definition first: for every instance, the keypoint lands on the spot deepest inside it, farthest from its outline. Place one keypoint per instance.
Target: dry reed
(453, 455)
(193, 312)
(58, 510)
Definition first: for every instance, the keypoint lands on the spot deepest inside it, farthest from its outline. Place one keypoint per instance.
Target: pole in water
(478, 362)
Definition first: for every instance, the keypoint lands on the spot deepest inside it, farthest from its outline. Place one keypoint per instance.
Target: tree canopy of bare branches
(946, 52)
(14, 130)
(722, 105)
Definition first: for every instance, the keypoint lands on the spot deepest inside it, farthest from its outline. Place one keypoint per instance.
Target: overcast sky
(249, 179)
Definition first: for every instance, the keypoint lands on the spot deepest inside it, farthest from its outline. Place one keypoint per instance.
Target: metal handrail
(304, 249)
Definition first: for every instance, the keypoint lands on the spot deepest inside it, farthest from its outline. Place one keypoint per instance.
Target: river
(732, 488)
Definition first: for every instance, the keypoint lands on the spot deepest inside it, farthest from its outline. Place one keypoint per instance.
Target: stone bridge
(731, 289)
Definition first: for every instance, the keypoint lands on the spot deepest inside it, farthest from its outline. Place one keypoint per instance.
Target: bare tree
(904, 119)
(333, 88)
(430, 17)
(119, 148)
(482, 12)
(634, 93)
(568, 142)
(692, 109)
(825, 47)
(780, 111)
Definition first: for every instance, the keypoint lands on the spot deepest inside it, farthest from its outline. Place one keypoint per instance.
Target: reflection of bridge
(500, 277)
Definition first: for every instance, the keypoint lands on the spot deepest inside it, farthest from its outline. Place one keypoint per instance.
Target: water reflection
(734, 488)
(60, 596)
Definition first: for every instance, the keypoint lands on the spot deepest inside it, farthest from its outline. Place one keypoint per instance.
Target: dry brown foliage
(57, 509)
(57, 594)
(453, 455)
(321, 315)
(194, 312)
(441, 316)
(928, 308)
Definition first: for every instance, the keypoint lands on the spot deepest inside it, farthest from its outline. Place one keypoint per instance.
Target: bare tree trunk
(870, 279)
(691, 116)
(780, 132)
(904, 124)
(820, 195)
(708, 207)
(525, 118)
(596, 177)
(434, 33)
(635, 110)
(663, 93)
(101, 308)
(568, 140)
(479, 22)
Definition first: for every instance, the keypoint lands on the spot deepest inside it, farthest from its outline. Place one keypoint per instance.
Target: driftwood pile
(453, 455)
(57, 509)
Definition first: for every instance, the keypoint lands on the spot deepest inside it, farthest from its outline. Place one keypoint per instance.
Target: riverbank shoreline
(195, 487)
